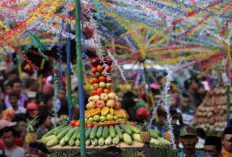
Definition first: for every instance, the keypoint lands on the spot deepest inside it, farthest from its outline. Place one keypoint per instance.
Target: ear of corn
(127, 139)
(53, 142)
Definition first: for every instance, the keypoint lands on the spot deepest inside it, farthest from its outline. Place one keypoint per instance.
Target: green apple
(97, 74)
(109, 117)
(115, 117)
(102, 118)
(91, 88)
(96, 118)
(102, 84)
(108, 85)
(86, 120)
(91, 119)
(103, 73)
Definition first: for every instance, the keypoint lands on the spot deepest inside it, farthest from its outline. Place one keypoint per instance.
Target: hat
(187, 130)
(227, 130)
(176, 129)
(5, 123)
(32, 106)
(48, 89)
(142, 113)
(49, 78)
(31, 94)
(213, 140)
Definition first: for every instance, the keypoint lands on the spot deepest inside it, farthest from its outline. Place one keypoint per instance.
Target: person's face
(8, 139)
(8, 89)
(62, 95)
(186, 102)
(35, 86)
(172, 101)
(20, 126)
(201, 90)
(12, 77)
(48, 122)
(194, 85)
(226, 142)
(211, 150)
(13, 100)
(50, 103)
(33, 113)
(17, 87)
(161, 119)
(189, 142)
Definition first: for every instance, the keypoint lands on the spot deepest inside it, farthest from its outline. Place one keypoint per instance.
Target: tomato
(95, 124)
(93, 70)
(111, 91)
(102, 79)
(99, 68)
(77, 123)
(116, 121)
(109, 123)
(134, 124)
(89, 125)
(72, 122)
(107, 91)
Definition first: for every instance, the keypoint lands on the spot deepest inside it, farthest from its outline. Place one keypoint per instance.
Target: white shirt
(20, 110)
(18, 152)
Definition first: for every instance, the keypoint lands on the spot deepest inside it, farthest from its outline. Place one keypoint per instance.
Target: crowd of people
(29, 97)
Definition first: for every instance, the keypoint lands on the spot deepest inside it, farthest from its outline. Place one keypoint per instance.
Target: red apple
(100, 104)
(94, 62)
(110, 103)
(108, 68)
(99, 91)
(91, 81)
(108, 79)
(90, 105)
(93, 92)
(118, 105)
(95, 80)
(109, 61)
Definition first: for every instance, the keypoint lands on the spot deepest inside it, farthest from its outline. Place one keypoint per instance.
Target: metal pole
(68, 51)
(80, 76)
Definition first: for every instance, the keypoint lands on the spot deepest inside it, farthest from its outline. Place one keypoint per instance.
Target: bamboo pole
(150, 93)
(228, 105)
(80, 76)
(68, 49)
